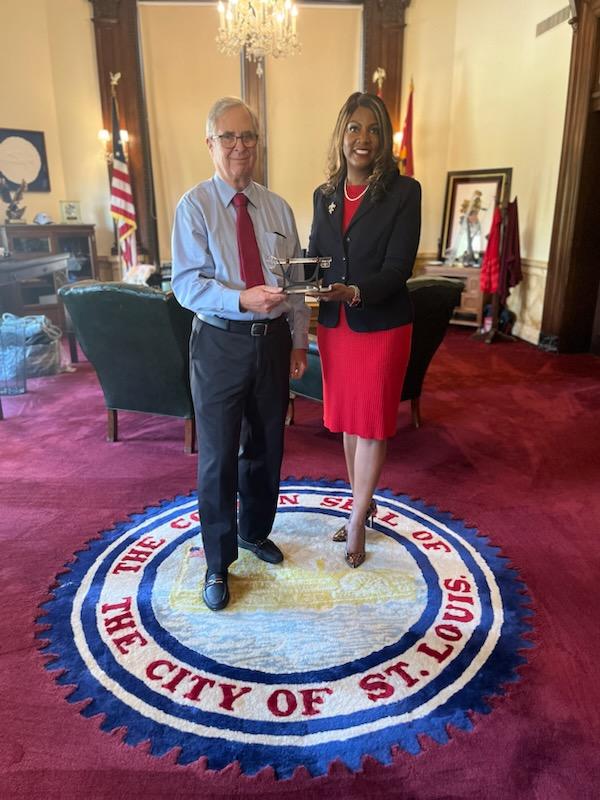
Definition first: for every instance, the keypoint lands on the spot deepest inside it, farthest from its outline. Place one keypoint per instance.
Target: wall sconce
(105, 137)
(397, 146)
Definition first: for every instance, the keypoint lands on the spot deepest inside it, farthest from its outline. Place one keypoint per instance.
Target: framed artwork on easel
(471, 199)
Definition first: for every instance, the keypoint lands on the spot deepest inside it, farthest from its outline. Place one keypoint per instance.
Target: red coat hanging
(490, 266)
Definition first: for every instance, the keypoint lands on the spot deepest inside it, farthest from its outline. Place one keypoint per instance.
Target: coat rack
(508, 264)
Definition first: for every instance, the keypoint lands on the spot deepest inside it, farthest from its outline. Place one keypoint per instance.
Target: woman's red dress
(363, 373)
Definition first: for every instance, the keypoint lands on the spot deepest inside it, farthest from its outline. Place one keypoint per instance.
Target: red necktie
(250, 265)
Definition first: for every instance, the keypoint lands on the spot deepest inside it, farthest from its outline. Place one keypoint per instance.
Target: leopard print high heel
(341, 535)
(354, 560)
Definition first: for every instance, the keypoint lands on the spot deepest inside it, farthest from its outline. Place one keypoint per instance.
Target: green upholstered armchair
(136, 338)
(433, 301)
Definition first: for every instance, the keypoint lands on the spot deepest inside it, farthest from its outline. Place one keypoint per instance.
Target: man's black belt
(258, 327)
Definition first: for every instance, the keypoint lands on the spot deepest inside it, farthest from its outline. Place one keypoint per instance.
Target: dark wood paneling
(573, 275)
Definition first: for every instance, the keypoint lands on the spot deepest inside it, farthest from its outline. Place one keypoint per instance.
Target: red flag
(407, 166)
(121, 197)
(490, 266)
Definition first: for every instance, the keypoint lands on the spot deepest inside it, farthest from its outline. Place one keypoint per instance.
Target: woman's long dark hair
(385, 164)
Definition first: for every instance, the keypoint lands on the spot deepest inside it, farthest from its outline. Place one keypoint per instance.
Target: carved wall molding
(392, 11)
(106, 11)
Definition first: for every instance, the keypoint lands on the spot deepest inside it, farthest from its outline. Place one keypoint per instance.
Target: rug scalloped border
(501, 669)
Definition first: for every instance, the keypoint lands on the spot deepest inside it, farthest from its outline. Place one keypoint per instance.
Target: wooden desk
(45, 241)
(24, 280)
(13, 270)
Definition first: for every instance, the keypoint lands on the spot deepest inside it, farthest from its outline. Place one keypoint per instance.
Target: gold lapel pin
(331, 208)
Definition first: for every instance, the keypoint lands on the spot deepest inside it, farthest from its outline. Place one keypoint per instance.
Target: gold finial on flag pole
(115, 77)
(378, 78)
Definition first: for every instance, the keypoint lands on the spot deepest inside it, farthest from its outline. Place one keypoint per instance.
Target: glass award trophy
(287, 269)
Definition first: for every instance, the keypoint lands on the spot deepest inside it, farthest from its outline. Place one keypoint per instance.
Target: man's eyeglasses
(228, 140)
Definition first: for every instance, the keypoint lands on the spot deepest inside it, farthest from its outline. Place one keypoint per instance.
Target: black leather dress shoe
(216, 593)
(265, 550)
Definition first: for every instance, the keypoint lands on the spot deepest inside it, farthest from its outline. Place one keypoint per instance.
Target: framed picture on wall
(70, 211)
(471, 199)
(23, 158)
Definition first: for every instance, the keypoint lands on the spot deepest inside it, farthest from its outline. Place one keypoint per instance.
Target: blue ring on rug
(499, 668)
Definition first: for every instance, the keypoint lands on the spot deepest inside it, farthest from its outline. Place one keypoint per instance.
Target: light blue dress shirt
(206, 274)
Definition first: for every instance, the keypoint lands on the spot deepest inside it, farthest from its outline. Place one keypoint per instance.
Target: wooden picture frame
(23, 157)
(469, 204)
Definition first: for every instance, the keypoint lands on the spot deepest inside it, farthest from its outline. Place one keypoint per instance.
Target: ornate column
(117, 50)
(383, 43)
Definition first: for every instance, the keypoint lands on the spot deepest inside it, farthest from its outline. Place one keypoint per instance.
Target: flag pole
(114, 80)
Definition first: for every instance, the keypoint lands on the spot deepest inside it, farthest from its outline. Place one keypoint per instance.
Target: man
(241, 351)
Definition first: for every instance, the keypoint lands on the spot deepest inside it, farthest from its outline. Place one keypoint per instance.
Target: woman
(367, 218)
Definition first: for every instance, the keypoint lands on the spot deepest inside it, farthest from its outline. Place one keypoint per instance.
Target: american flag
(121, 197)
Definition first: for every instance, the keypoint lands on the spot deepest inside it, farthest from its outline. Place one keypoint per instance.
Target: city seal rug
(311, 662)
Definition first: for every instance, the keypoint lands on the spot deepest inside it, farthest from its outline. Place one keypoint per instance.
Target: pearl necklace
(358, 196)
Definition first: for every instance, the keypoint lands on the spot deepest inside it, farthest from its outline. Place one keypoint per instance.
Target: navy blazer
(376, 253)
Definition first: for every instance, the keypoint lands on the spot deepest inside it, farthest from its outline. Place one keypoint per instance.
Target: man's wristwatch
(356, 298)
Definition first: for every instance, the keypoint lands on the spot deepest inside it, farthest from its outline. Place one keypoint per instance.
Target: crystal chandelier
(262, 27)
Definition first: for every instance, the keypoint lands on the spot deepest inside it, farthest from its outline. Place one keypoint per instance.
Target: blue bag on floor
(42, 343)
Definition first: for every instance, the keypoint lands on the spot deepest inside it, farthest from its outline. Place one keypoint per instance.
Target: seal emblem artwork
(311, 661)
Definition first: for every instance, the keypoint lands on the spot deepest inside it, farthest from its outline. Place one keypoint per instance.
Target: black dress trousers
(240, 388)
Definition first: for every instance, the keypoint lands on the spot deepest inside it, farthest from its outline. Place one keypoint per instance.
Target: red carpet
(509, 445)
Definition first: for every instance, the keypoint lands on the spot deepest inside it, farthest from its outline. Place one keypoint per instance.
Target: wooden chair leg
(112, 431)
(415, 411)
(189, 436)
(73, 354)
(289, 420)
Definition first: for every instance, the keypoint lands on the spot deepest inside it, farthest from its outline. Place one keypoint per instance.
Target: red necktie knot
(240, 199)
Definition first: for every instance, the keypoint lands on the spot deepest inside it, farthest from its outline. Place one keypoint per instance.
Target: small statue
(13, 212)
